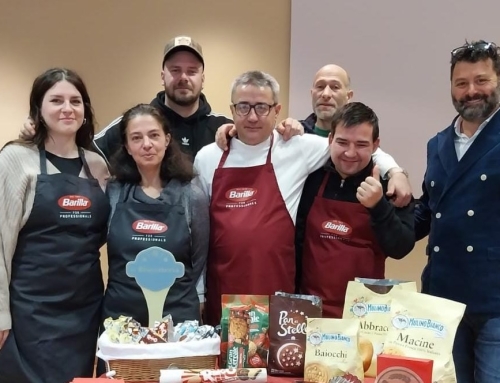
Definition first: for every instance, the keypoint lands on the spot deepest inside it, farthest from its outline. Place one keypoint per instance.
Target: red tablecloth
(276, 379)
(279, 379)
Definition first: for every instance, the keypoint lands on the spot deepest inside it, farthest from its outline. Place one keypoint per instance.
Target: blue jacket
(460, 210)
(309, 123)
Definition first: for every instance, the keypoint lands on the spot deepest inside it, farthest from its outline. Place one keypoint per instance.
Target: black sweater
(393, 227)
(192, 133)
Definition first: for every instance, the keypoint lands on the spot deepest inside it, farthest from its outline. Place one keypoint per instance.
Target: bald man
(330, 91)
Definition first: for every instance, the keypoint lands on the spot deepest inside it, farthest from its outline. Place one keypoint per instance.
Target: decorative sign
(155, 271)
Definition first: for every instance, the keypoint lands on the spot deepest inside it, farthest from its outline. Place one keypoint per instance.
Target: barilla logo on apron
(74, 202)
(144, 226)
(336, 227)
(240, 194)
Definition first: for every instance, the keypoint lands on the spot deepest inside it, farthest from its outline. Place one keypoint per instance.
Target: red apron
(251, 236)
(339, 245)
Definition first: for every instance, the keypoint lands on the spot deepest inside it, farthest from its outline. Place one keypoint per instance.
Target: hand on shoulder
(98, 167)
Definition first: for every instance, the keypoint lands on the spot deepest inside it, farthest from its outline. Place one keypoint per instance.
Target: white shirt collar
(458, 123)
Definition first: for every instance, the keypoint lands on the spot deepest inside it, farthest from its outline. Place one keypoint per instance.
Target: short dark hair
(175, 165)
(45, 81)
(353, 114)
(476, 51)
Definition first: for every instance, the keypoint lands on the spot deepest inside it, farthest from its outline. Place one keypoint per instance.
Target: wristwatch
(397, 170)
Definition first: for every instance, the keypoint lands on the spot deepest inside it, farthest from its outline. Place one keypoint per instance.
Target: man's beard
(183, 100)
(479, 111)
(325, 115)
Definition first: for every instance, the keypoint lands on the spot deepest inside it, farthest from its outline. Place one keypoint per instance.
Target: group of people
(265, 208)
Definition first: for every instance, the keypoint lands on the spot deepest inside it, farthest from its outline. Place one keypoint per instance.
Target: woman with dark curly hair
(152, 186)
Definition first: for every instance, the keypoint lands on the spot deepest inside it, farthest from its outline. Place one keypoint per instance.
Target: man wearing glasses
(460, 211)
(255, 187)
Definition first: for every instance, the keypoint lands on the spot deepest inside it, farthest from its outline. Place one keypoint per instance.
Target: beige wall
(117, 47)
(397, 54)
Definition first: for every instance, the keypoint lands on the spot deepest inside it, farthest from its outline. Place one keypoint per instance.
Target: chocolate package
(287, 332)
(127, 330)
(251, 349)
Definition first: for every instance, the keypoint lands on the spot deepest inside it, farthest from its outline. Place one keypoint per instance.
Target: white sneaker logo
(185, 141)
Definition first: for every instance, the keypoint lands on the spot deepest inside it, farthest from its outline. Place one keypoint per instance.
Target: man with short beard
(460, 211)
(330, 91)
(182, 102)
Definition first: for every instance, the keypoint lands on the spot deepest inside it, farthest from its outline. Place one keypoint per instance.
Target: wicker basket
(142, 363)
(148, 370)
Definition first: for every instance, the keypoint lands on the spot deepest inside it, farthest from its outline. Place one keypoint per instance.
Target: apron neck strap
(81, 154)
(321, 190)
(226, 153)
(85, 164)
(43, 160)
(268, 160)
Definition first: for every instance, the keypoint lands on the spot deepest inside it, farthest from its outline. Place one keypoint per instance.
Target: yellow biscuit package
(369, 300)
(332, 350)
(424, 326)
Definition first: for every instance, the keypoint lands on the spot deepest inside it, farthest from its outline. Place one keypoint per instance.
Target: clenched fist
(370, 191)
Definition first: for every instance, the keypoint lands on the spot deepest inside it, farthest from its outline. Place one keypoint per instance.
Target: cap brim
(183, 48)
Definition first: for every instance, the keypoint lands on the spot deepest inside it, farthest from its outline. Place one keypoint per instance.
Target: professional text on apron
(137, 226)
(56, 287)
(251, 236)
(339, 245)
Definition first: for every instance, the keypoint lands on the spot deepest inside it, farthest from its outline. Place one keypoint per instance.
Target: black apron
(56, 287)
(126, 238)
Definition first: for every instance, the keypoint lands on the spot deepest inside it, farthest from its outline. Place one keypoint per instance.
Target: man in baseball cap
(182, 43)
(181, 101)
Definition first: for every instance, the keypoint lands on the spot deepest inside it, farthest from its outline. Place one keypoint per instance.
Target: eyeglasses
(477, 47)
(261, 109)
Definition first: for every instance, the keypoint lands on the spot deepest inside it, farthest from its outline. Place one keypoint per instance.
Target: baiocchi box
(332, 350)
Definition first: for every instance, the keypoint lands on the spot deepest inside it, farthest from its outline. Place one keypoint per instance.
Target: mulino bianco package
(369, 300)
(424, 326)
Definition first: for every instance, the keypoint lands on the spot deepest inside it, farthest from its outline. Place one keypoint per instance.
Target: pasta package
(332, 351)
(424, 326)
(369, 300)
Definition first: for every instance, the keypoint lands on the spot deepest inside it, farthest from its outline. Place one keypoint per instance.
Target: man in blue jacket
(460, 211)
